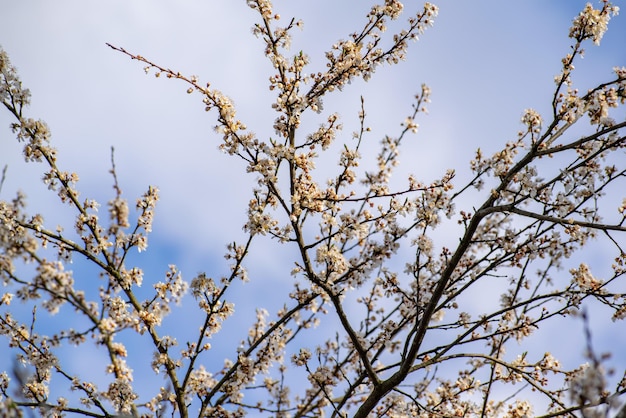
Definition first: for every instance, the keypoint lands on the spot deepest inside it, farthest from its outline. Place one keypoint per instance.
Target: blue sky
(485, 61)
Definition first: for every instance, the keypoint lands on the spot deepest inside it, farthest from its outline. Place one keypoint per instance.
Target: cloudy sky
(485, 61)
